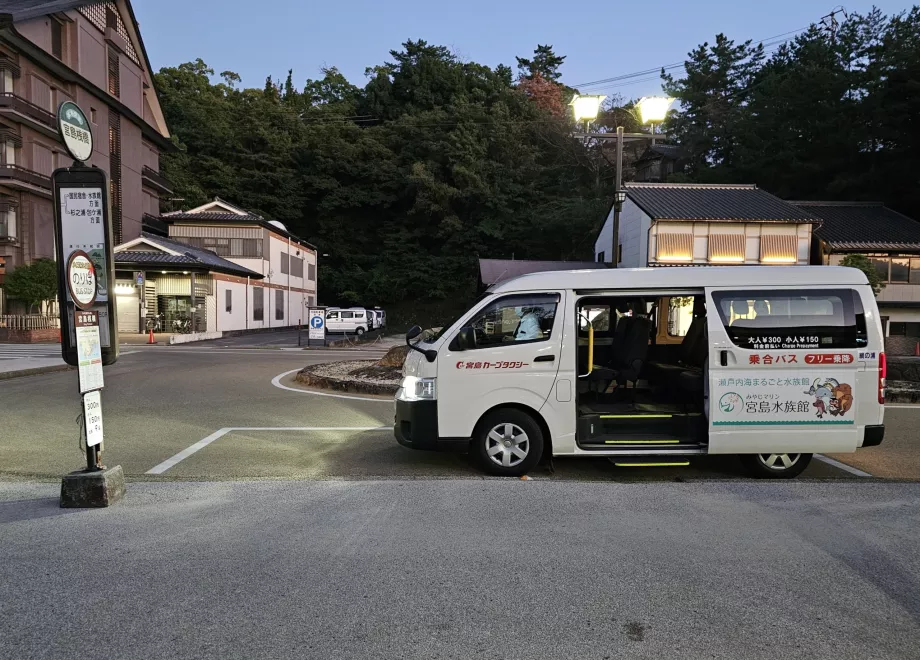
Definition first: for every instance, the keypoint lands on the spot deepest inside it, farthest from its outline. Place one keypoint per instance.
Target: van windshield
(448, 326)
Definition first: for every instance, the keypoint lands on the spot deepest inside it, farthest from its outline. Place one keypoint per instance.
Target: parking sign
(317, 324)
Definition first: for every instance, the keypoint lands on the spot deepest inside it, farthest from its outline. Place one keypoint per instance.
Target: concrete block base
(92, 489)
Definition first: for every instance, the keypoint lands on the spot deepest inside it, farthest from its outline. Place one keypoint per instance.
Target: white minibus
(353, 320)
(653, 366)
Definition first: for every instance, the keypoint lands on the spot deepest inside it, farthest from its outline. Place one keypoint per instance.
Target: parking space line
(185, 453)
(204, 442)
(842, 466)
(915, 406)
(276, 381)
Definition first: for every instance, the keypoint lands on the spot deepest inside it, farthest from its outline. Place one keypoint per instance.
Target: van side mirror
(431, 355)
(465, 339)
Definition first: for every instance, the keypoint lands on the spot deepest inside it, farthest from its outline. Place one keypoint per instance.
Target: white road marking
(120, 353)
(185, 453)
(842, 466)
(276, 381)
(915, 406)
(204, 442)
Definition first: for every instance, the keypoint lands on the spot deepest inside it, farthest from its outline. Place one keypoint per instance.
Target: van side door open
(512, 360)
(784, 369)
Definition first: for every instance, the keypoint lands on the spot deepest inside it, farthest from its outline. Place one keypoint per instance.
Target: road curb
(8, 375)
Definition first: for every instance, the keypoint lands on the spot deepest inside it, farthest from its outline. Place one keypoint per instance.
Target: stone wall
(904, 369)
(46, 336)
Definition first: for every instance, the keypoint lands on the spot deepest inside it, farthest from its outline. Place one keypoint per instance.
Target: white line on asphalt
(842, 466)
(201, 444)
(276, 381)
(185, 453)
(120, 353)
(915, 406)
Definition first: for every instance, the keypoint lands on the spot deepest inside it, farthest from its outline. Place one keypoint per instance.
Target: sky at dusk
(599, 39)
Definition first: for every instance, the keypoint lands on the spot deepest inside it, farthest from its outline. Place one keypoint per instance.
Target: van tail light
(882, 377)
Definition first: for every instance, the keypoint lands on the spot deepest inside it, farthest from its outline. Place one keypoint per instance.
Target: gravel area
(367, 371)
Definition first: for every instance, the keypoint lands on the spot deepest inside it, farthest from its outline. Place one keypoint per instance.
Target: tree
(863, 263)
(33, 283)
(545, 64)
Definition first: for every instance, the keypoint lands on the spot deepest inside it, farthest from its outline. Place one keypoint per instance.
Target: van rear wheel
(359, 331)
(508, 442)
(775, 466)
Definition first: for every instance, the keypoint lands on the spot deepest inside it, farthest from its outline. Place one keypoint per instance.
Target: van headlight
(417, 389)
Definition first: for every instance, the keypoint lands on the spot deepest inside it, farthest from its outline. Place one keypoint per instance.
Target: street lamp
(652, 110)
(586, 108)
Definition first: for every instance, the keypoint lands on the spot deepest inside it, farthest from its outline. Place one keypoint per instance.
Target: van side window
(526, 318)
(348, 315)
(807, 318)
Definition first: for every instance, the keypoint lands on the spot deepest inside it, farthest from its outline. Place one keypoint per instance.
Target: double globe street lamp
(652, 110)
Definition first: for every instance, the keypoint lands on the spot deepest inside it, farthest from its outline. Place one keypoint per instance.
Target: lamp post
(651, 109)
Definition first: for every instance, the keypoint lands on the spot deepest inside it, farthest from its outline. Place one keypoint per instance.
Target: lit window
(674, 247)
(778, 249)
(726, 248)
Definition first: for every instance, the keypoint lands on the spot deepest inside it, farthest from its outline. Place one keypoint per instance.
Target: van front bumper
(416, 427)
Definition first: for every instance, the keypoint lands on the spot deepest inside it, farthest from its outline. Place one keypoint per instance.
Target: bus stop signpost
(86, 271)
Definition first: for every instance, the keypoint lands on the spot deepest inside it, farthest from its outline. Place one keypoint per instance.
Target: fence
(29, 322)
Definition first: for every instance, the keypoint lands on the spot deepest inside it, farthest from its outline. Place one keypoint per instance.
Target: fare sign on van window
(778, 397)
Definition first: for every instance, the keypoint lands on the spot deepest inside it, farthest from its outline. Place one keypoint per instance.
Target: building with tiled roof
(214, 268)
(665, 224)
(892, 242)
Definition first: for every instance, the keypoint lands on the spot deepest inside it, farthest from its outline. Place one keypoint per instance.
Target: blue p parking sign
(317, 324)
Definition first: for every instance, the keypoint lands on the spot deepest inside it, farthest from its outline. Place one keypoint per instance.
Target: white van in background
(352, 320)
(653, 366)
(380, 317)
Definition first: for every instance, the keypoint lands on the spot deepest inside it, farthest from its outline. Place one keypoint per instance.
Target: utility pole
(830, 24)
(617, 202)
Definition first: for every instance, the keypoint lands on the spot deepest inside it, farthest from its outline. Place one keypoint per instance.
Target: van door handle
(723, 358)
(545, 358)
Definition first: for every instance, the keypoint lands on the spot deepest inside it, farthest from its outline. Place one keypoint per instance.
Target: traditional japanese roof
(853, 226)
(714, 203)
(152, 251)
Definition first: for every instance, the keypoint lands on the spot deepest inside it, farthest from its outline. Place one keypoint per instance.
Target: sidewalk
(31, 366)
(137, 339)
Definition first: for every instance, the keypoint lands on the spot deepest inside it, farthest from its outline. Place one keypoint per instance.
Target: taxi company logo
(74, 116)
(731, 403)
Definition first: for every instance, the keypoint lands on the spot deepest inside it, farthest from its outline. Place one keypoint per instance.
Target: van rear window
(807, 318)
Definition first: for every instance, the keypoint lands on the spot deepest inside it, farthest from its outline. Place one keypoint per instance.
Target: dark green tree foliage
(405, 183)
(33, 283)
(820, 118)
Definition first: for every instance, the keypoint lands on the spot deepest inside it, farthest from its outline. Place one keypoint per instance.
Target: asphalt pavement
(464, 569)
(231, 407)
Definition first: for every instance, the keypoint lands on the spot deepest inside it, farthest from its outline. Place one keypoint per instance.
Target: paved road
(39, 351)
(465, 569)
(161, 401)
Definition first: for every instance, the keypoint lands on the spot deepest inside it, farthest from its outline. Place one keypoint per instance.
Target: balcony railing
(11, 175)
(157, 181)
(11, 103)
(154, 225)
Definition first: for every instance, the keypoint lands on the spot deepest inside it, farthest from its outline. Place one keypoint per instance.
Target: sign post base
(100, 488)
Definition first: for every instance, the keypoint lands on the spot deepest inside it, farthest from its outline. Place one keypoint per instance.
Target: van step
(648, 443)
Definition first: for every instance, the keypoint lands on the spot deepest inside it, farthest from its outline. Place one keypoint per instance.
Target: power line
(769, 41)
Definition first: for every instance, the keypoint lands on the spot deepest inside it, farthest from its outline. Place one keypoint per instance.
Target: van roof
(685, 278)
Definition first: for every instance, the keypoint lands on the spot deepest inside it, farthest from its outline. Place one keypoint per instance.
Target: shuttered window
(114, 74)
(674, 247)
(779, 249)
(285, 263)
(726, 248)
(279, 305)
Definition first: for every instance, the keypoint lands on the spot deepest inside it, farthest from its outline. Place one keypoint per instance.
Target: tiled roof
(713, 203)
(25, 9)
(188, 255)
(493, 271)
(863, 226)
(207, 215)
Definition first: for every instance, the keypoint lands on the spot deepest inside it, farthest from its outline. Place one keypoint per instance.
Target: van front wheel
(508, 442)
(775, 466)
